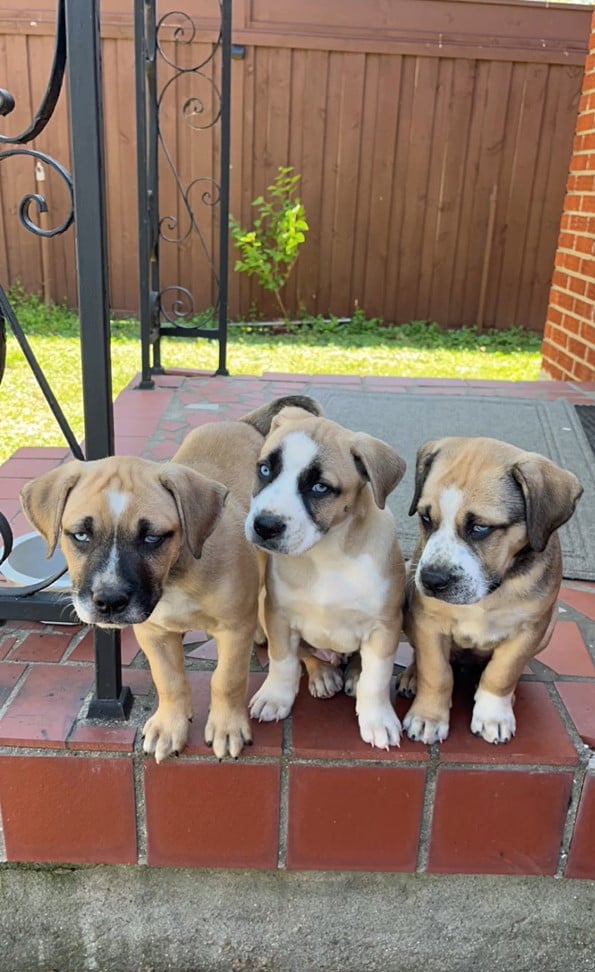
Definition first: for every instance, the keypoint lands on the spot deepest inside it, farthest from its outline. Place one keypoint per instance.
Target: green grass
(362, 347)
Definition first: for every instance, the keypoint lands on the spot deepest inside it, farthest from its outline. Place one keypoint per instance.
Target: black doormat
(586, 416)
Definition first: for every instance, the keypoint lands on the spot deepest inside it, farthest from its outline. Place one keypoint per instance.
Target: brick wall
(569, 336)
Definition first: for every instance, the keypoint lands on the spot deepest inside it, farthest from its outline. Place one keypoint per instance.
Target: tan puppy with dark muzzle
(162, 547)
(335, 571)
(484, 578)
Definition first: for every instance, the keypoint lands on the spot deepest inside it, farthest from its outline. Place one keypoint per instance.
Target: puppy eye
(81, 537)
(152, 540)
(320, 488)
(426, 519)
(480, 530)
(264, 470)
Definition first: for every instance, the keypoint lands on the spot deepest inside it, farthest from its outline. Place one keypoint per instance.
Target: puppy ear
(199, 502)
(43, 500)
(262, 418)
(425, 457)
(550, 495)
(379, 464)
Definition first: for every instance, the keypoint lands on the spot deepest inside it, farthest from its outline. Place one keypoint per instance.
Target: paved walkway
(462, 807)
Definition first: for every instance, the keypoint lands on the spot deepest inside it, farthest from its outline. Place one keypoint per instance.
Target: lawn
(362, 347)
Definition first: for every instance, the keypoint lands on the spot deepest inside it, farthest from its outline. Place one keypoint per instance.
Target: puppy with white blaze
(484, 578)
(334, 571)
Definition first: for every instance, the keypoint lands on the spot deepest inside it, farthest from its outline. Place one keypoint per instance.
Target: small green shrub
(270, 249)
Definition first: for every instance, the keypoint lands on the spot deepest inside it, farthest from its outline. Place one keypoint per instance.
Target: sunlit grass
(416, 350)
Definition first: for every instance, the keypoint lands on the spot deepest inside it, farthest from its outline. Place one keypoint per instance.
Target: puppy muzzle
(268, 531)
(112, 607)
(449, 585)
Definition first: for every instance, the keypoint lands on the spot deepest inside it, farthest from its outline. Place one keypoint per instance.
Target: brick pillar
(569, 336)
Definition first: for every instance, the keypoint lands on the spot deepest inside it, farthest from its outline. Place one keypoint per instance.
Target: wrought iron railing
(170, 308)
(77, 57)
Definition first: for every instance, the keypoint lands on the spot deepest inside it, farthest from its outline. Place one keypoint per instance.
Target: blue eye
(81, 537)
(320, 488)
(425, 519)
(480, 530)
(264, 470)
(152, 540)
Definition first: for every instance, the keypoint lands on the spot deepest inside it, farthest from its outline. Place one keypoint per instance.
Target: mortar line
(284, 792)
(569, 823)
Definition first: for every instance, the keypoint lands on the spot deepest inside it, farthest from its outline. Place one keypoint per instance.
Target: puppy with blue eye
(161, 547)
(334, 570)
(484, 578)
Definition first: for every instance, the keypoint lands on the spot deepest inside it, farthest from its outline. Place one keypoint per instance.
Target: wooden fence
(433, 140)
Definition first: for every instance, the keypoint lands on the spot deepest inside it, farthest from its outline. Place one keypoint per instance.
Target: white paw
(166, 732)
(423, 730)
(271, 703)
(493, 718)
(326, 683)
(379, 725)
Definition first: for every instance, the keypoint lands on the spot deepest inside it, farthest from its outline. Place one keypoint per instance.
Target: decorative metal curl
(194, 107)
(182, 308)
(183, 33)
(52, 92)
(209, 197)
(37, 199)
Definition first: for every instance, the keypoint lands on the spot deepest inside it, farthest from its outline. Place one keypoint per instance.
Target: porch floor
(313, 795)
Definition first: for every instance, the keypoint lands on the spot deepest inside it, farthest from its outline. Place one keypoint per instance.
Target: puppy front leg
(228, 725)
(493, 717)
(167, 729)
(428, 718)
(275, 697)
(378, 722)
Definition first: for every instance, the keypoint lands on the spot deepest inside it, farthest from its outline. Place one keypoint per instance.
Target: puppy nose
(435, 579)
(268, 526)
(109, 601)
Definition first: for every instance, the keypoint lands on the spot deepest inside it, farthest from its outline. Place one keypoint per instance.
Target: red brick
(583, 601)
(9, 676)
(43, 712)
(205, 814)
(42, 647)
(581, 859)
(566, 653)
(267, 736)
(92, 737)
(358, 818)
(579, 699)
(541, 736)
(498, 822)
(328, 729)
(77, 811)
(85, 650)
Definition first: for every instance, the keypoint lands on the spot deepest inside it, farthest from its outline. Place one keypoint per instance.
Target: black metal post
(86, 125)
(225, 159)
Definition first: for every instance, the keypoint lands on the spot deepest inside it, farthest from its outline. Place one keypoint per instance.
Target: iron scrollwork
(197, 77)
(35, 128)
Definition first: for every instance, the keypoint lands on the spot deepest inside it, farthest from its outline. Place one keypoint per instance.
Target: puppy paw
(228, 732)
(325, 682)
(493, 717)
(166, 732)
(352, 675)
(407, 684)
(379, 725)
(270, 703)
(424, 730)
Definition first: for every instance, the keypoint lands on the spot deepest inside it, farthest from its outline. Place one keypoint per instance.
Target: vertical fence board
(401, 124)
